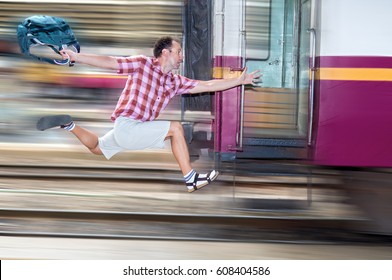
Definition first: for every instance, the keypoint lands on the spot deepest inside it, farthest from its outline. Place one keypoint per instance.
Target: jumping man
(149, 88)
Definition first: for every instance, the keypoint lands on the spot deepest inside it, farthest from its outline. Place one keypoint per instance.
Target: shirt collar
(156, 65)
(158, 68)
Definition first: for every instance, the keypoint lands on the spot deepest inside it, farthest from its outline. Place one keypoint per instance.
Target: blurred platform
(229, 194)
(82, 249)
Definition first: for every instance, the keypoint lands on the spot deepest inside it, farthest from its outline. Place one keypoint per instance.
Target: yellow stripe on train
(354, 74)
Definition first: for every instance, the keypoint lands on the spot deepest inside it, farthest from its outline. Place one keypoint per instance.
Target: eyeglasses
(178, 51)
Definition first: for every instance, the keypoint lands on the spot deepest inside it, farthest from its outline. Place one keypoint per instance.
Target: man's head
(168, 51)
(164, 43)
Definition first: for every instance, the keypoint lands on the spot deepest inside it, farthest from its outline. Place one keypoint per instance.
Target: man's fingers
(256, 74)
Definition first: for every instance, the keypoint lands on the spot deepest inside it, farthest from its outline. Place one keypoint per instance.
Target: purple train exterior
(326, 95)
(354, 115)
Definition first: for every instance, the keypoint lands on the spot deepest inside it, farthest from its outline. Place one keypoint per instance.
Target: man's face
(175, 55)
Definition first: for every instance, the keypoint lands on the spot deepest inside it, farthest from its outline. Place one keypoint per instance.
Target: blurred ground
(79, 249)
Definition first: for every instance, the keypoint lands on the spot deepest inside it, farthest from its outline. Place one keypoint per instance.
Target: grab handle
(312, 68)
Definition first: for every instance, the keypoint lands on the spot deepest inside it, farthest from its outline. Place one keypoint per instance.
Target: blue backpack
(49, 31)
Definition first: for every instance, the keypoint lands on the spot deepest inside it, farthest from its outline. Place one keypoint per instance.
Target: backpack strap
(58, 62)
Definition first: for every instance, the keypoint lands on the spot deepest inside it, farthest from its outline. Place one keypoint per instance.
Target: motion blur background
(30, 89)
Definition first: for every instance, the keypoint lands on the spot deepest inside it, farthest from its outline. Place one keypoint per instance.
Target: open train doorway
(276, 115)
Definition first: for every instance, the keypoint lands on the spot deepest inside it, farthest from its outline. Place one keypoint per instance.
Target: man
(150, 86)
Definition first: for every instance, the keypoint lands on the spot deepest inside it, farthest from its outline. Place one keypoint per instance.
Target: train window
(281, 110)
(257, 23)
(276, 47)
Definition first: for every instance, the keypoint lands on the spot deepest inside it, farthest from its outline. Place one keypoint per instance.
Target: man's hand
(68, 54)
(251, 78)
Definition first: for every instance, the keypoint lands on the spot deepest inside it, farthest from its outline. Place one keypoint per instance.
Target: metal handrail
(243, 55)
(312, 68)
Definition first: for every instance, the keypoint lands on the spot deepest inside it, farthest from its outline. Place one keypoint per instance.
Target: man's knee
(96, 150)
(176, 129)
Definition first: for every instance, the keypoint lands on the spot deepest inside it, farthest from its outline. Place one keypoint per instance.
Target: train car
(326, 91)
(352, 97)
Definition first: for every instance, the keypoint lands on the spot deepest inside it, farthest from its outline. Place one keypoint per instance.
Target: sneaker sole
(47, 122)
(205, 184)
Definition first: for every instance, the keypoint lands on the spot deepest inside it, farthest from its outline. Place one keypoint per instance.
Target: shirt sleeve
(185, 84)
(127, 65)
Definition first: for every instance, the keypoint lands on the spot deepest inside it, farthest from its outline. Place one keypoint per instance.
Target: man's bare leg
(193, 180)
(87, 138)
(179, 147)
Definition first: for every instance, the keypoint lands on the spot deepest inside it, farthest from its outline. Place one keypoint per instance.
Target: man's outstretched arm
(102, 61)
(223, 84)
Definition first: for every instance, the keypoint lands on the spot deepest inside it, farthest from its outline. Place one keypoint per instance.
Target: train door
(277, 114)
(270, 121)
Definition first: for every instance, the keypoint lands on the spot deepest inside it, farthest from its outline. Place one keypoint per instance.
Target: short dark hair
(162, 43)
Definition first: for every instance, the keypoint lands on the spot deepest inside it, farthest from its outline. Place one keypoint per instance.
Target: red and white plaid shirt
(148, 90)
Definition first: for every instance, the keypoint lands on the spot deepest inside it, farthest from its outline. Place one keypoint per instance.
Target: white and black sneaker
(201, 180)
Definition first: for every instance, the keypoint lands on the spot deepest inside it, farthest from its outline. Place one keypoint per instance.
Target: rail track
(177, 227)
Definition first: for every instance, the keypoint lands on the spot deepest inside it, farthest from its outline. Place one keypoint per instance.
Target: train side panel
(354, 84)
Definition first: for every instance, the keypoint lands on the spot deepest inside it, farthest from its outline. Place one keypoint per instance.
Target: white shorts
(129, 134)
